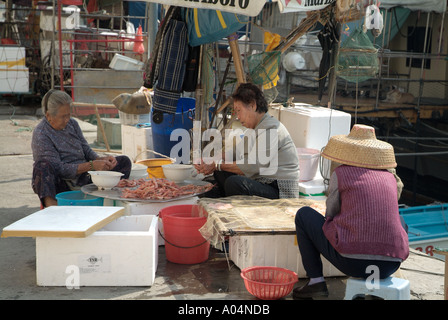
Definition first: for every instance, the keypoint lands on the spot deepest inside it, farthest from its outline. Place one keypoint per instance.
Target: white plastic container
(136, 141)
(314, 189)
(312, 127)
(279, 250)
(121, 62)
(308, 163)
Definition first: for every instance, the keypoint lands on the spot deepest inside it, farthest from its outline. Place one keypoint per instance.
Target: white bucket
(308, 163)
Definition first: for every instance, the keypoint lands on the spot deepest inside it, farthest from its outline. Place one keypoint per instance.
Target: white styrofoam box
(112, 130)
(70, 18)
(312, 127)
(314, 189)
(136, 141)
(152, 208)
(132, 119)
(14, 75)
(272, 250)
(12, 58)
(14, 81)
(123, 253)
(121, 62)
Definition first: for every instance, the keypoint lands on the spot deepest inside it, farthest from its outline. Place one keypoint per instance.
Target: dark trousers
(312, 243)
(47, 182)
(230, 184)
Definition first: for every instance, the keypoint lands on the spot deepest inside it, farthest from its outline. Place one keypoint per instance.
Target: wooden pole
(239, 70)
(99, 105)
(301, 29)
(100, 124)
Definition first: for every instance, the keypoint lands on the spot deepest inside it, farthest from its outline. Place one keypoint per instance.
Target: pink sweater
(368, 222)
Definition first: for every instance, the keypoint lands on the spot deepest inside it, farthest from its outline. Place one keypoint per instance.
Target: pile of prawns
(158, 189)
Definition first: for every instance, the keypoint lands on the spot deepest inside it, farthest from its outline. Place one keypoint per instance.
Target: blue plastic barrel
(78, 198)
(182, 119)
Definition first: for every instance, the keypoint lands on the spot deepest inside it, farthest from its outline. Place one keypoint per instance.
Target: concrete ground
(215, 279)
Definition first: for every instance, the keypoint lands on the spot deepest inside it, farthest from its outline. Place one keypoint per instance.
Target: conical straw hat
(360, 148)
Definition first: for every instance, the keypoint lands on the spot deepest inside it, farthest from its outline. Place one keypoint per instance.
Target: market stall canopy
(416, 5)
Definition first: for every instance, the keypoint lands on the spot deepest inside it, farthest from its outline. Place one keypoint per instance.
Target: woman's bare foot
(49, 201)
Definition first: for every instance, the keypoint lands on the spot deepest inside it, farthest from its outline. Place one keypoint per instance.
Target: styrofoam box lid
(63, 221)
(313, 111)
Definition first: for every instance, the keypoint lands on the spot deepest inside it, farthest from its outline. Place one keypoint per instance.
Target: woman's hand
(205, 168)
(105, 163)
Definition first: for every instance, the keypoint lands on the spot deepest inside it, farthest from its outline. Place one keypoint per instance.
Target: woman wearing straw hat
(361, 232)
(62, 156)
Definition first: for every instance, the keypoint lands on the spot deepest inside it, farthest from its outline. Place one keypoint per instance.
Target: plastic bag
(373, 19)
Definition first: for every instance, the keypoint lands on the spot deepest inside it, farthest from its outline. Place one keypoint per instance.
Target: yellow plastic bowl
(154, 165)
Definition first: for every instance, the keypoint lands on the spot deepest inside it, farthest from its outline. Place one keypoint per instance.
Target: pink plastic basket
(269, 283)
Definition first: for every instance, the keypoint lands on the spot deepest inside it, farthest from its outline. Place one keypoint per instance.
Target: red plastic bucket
(184, 243)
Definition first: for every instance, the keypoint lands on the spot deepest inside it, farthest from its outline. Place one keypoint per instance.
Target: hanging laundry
(172, 67)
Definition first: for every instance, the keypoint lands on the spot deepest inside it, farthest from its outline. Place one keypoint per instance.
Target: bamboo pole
(239, 70)
(99, 105)
(100, 125)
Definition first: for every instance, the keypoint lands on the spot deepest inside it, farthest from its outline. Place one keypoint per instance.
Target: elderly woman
(62, 156)
(268, 167)
(361, 232)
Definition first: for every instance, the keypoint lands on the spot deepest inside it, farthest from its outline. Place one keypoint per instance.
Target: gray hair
(54, 99)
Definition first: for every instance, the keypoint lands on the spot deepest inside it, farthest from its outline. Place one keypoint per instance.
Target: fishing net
(263, 67)
(242, 215)
(358, 60)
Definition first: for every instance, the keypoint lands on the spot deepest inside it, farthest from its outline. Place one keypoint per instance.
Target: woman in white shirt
(268, 163)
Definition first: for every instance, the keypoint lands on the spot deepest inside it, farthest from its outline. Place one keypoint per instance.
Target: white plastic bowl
(178, 172)
(105, 180)
(138, 171)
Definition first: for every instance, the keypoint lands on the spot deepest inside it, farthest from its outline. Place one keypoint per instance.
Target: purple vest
(369, 221)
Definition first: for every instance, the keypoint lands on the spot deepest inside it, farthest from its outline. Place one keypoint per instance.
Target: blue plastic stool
(389, 289)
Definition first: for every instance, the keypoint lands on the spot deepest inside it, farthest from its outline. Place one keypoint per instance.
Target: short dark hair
(248, 93)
